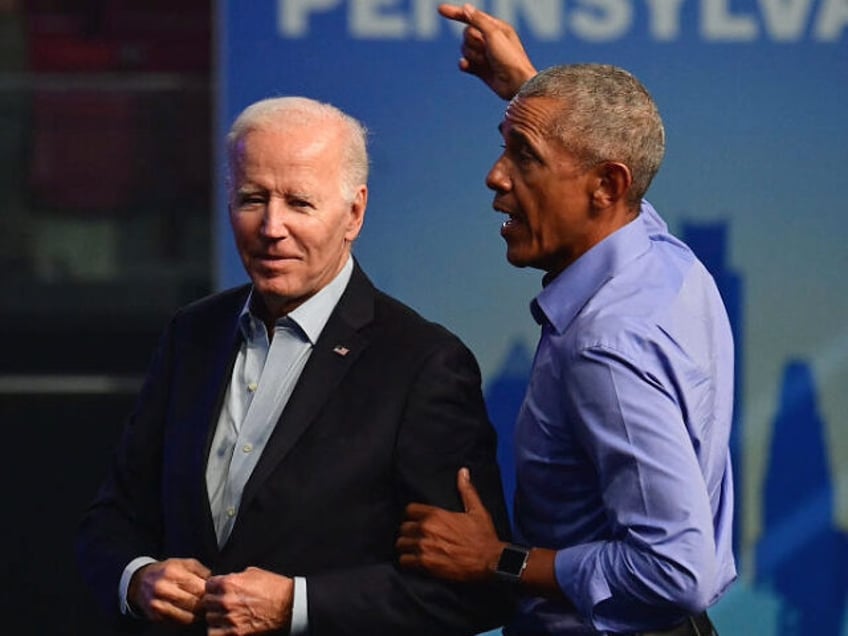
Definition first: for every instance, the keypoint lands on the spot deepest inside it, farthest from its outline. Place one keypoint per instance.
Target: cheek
(542, 210)
(319, 234)
(532, 210)
(244, 227)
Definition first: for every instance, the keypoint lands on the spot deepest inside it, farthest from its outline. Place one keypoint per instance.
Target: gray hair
(606, 115)
(282, 112)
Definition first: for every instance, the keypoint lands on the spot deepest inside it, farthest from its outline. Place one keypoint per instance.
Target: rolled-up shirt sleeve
(659, 550)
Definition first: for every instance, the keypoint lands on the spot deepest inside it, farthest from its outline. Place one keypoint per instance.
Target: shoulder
(211, 313)
(401, 326)
(652, 318)
(219, 301)
(389, 316)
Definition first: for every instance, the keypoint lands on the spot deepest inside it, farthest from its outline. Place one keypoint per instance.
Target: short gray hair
(276, 112)
(606, 115)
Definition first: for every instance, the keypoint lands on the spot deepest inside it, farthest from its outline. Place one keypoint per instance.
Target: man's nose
(274, 219)
(498, 179)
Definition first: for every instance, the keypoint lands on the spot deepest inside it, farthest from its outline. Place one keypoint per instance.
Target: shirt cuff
(300, 614)
(124, 585)
(580, 577)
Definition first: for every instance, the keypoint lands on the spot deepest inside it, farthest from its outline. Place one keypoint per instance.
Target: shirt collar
(564, 296)
(311, 316)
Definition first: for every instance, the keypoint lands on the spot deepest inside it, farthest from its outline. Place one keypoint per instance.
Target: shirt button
(252, 387)
(231, 512)
(247, 448)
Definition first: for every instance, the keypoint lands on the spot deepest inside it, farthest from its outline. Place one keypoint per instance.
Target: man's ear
(613, 183)
(356, 213)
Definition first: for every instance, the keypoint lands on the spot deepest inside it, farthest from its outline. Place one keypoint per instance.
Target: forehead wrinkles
(531, 116)
(288, 151)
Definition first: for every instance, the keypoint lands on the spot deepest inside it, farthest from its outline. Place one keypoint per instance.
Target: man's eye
(250, 200)
(526, 155)
(297, 202)
(521, 153)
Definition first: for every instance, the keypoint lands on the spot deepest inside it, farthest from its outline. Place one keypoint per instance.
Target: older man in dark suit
(284, 425)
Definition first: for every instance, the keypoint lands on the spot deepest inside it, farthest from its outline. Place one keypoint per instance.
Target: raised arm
(491, 50)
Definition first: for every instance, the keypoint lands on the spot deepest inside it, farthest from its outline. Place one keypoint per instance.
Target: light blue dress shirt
(621, 443)
(264, 375)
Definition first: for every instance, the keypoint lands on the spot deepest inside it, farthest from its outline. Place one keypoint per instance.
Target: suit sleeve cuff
(300, 614)
(124, 585)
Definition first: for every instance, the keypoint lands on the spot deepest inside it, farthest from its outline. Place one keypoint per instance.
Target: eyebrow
(249, 189)
(516, 135)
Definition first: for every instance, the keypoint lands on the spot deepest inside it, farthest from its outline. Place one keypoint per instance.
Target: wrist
(493, 557)
(520, 75)
(512, 562)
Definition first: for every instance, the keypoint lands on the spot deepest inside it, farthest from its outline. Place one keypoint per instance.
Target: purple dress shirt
(622, 452)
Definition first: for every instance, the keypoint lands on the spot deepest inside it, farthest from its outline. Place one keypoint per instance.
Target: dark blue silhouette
(802, 556)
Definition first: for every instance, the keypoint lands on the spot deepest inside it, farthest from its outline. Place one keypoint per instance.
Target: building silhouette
(802, 557)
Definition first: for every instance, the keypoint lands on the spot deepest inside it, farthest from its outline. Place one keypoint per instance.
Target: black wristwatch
(512, 562)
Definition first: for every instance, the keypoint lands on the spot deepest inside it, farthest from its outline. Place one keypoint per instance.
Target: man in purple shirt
(623, 507)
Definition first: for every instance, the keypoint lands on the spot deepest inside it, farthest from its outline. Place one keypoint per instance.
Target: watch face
(512, 560)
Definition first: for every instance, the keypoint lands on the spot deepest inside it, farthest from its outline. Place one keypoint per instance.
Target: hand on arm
(459, 546)
(169, 591)
(254, 601)
(463, 546)
(491, 50)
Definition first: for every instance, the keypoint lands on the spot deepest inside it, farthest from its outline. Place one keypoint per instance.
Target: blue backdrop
(754, 95)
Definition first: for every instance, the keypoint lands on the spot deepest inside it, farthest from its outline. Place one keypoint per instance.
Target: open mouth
(511, 221)
(508, 221)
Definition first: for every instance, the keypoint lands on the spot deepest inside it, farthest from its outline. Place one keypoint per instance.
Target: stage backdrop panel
(754, 94)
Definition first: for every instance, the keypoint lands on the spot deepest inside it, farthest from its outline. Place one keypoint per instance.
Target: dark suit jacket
(363, 434)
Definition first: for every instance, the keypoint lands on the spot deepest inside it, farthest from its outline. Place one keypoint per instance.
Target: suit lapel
(212, 367)
(340, 344)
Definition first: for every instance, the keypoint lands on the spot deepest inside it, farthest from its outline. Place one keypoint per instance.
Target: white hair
(283, 112)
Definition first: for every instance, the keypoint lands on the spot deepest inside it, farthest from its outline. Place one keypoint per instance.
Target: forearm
(652, 548)
(539, 576)
(619, 586)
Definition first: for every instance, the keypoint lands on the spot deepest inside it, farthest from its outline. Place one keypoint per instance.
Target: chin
(274, 288)
(516, 260)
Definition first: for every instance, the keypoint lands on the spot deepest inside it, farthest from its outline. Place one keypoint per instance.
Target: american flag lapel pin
(341, 350)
